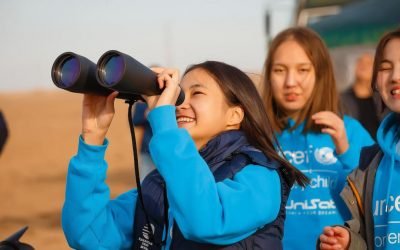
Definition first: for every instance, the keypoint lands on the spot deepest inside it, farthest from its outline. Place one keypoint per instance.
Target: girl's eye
(277, 70)
(197, 93)
(304, 70)
(385, 67)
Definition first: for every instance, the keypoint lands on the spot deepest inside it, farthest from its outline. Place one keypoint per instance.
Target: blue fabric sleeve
(358, 138)
(207, 211)
(91, 220)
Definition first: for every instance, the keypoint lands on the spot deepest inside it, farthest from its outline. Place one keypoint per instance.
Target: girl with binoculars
(219, 182)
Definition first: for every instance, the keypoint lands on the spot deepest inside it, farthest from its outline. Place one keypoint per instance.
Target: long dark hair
(239, 90)
(324, 95)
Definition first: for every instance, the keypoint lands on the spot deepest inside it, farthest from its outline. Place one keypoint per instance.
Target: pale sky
(172, 33)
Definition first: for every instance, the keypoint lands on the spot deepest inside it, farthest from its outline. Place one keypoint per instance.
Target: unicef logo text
(325, 156)
(313, 204)
(382, 207)
(322, 155)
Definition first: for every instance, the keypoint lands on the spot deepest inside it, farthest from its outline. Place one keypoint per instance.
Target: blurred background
(43, 122)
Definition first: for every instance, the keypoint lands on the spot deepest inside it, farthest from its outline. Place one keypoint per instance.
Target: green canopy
(325, 3)
(359, 23)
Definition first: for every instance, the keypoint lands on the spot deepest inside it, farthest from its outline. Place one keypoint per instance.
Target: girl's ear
(235, 116)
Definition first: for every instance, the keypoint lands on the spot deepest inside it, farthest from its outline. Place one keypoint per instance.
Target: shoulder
(352, 123)
(256, 176)
(358, 175)
(367, 155)
(357, 134)
(348, 120)
(254, 169)
(255, 156)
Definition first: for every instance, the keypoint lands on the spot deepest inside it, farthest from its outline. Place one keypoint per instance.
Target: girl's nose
(396, 74)
(290, 80)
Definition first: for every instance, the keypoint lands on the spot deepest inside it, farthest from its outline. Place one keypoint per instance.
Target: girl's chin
(394, 108)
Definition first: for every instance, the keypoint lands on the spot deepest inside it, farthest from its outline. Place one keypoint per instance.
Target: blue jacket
(372, 193)
(226, 155)
(319, 204)
(205, 210)
(386, 194)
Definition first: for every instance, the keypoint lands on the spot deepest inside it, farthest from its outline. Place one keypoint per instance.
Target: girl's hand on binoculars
(168, 79)
(97, 114)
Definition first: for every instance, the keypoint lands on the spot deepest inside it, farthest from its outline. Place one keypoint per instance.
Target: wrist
(342, 146)
(93, 138)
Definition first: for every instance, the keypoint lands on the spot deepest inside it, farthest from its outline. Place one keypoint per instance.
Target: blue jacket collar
(222, 146)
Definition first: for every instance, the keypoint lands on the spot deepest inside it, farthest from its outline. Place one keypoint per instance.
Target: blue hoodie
(310, 209)
(386, 196)
(214, 212)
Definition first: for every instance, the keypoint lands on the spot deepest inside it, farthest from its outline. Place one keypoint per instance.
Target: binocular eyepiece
(114, 71)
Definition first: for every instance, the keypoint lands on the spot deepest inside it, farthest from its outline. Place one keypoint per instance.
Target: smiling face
(292, 78)
(388, 78)
(205, 112)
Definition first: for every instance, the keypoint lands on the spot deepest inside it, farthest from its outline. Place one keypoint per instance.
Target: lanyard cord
(139, 187)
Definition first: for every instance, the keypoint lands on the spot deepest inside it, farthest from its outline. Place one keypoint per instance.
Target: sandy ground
(44, 127)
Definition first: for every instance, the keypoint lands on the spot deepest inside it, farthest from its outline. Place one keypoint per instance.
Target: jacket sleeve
(353, 194)
(355, 225)
(356, 241)
(91, 220)
(205, 210)
(361, 234)
(358, 137)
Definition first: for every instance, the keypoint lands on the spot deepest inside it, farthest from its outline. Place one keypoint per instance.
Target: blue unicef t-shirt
(310, 209)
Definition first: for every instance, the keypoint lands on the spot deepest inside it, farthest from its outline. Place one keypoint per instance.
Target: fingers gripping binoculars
(115, 71)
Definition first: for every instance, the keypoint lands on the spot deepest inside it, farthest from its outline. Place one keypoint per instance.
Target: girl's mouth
(184, 119)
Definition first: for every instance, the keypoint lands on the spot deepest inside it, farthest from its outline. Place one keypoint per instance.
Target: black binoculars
(115, 71)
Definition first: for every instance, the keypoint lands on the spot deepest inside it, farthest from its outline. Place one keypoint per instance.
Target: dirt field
(43, 135)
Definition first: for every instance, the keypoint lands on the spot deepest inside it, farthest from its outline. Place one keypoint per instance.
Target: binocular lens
(68, 72)
(113, 70)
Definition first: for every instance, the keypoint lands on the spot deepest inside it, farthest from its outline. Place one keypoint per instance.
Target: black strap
(136, 163)
(139, 187)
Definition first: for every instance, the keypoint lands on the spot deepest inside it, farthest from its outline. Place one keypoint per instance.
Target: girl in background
(372, 193)
(219, 182)
(301, 100)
